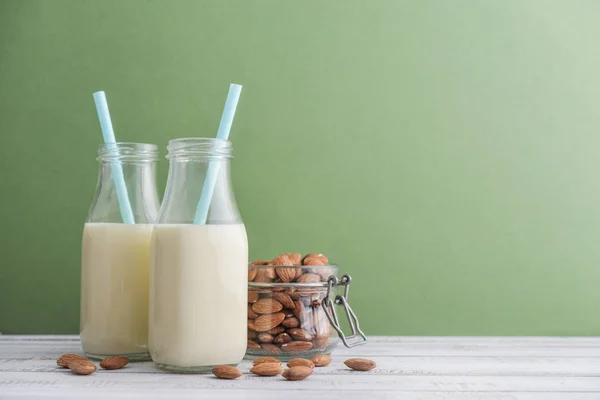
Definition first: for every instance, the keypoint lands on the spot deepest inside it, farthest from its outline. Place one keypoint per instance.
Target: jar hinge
(342, 300)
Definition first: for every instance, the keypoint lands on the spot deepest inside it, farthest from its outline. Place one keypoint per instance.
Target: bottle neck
(199, 179)
(126, 187)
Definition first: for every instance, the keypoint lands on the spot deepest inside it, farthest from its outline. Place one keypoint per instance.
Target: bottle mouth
(128, 152)
(199, 149)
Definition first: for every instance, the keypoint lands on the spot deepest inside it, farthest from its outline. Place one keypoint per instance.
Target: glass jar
(198, 286)
(115, 255)
(296, 316)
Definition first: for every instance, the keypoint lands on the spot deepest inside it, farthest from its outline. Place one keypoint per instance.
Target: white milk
(114, 288)
(198, 295)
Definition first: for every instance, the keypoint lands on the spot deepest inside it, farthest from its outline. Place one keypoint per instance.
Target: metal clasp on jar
(329, 307)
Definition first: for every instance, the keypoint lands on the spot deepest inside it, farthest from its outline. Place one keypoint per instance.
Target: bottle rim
(199, 149)
(127, 152)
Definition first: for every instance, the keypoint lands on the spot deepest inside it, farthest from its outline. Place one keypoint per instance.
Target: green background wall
(444, 153)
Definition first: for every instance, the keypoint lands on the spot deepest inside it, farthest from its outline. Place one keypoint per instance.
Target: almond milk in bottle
(198, 274)
(116, 254)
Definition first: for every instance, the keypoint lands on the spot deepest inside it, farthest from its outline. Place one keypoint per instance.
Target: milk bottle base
(131, 357)
(189, 370)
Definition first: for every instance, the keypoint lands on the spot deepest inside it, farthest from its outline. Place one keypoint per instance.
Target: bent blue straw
(117, 169)
(212, 172)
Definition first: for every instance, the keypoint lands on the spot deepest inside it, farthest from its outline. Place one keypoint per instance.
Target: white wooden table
(408, 368)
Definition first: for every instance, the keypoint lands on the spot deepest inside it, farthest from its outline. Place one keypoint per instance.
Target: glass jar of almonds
(292, 303)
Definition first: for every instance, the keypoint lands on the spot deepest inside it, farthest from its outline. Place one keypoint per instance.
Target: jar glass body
(198, 288)
(115, 255)
(288, 320)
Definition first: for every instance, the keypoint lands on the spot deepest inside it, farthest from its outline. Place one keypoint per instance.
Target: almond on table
(65, 359)
(297, 373)
(114, 362)
(360, 364)
(300, 362)
(226, 372)
(321, 360)
(82, 367)
(267, 369)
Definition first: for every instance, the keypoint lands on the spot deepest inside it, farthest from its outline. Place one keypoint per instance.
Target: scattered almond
(267, 369)
(360, 364)
(114, 362)
(65, 359)
(303, 362)
(263, 360)
(297, 373)
(82, 367)
(321, 360)
(226, 372)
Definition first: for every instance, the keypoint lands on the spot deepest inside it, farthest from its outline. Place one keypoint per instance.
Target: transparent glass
(198, 278)
(287, 320)
(115, 255)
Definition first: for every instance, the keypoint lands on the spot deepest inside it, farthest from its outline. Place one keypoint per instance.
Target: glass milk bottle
(198, 278)
(116, 253)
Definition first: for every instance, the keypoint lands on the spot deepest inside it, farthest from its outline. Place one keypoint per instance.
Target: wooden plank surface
(408, 368)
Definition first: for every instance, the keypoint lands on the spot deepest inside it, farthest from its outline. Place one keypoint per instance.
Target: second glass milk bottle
(116, 253)
(199, 257)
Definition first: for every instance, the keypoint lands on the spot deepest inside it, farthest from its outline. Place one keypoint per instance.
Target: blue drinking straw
(117, 169)
(213, 166)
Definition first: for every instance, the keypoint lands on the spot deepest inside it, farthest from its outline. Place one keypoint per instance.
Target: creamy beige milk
(114, 288)
(198, 295)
